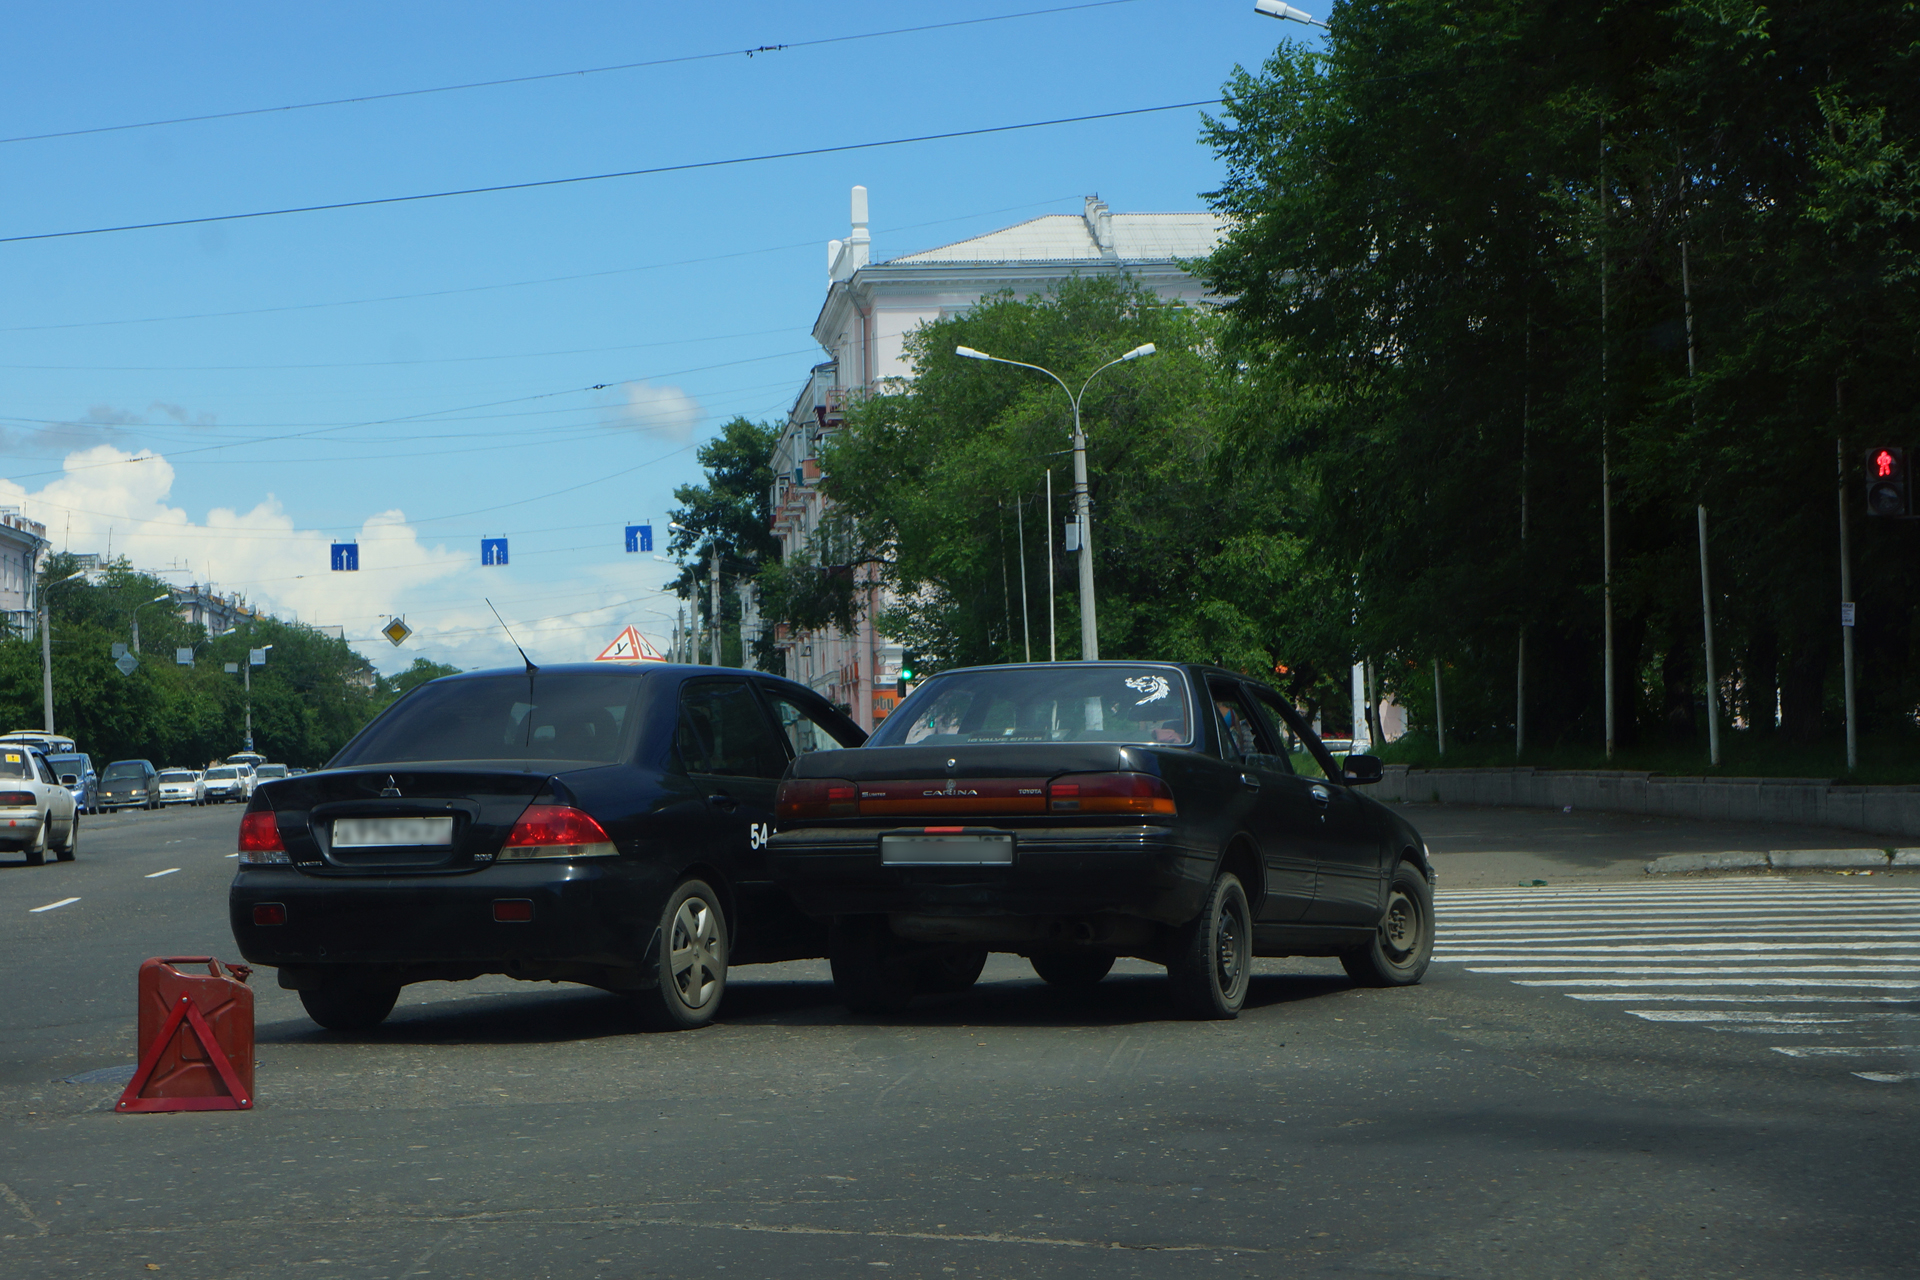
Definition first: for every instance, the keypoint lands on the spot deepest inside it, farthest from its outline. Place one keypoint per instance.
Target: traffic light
(909, 663)
(1889, 492)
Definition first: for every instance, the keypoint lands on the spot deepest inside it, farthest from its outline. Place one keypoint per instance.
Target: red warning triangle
(630, 646)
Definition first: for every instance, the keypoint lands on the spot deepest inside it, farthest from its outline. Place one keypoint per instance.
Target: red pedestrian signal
(1888, 490)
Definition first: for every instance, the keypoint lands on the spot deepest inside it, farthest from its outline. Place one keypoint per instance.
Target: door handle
(1321, 796)
(723, 802)
(1250, 782)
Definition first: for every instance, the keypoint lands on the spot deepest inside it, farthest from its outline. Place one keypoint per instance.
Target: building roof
(1067, 237)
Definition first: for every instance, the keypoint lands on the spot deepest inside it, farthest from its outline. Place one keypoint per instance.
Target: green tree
(731, 512)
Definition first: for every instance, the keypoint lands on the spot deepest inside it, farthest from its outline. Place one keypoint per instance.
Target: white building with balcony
(863, 325)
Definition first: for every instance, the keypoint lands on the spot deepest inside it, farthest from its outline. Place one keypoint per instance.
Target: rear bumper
(587, 918)
(1142, 871)
(19, 828)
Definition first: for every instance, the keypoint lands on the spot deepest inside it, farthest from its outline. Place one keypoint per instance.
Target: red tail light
(269, 913)
(260, 833)
(1135, 793)
(556, 831)
(17, 799)
(816, 798)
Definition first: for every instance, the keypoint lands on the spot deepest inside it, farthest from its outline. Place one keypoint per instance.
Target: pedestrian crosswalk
(1832, 966)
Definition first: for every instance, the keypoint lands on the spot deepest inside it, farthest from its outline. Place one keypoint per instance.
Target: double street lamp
(1083, 518)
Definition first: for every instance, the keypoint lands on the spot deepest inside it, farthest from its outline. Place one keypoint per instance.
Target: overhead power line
(623, 173)
(556, 75)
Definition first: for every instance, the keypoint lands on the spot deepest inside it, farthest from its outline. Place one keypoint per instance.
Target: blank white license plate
(364, 833)
(942, 850)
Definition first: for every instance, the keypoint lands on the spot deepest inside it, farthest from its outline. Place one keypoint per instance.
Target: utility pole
(1713, 685)
(1846, 585)
(46, 660)
(713, 587)
(1606, 466)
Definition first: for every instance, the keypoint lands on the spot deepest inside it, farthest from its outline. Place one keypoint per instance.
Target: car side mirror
(69, 780)
(1360, 770)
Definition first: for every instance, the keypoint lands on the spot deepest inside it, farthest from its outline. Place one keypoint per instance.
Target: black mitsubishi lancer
(597, 824)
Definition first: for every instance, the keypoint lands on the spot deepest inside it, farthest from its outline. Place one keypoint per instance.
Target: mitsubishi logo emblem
(390, 790)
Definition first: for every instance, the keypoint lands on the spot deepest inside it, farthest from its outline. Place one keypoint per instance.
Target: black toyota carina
(597, 824)
(1078, 812)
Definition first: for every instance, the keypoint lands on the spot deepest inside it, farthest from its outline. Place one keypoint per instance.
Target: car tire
(1072, 970)
(1210, 964)
(951, 973)
(345, 1005)
(1402, 945)
(66, 852)
(691, 958)
(868, 974)
(37, 851)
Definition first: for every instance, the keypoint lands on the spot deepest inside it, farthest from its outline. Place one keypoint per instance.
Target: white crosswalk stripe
(1774, 957)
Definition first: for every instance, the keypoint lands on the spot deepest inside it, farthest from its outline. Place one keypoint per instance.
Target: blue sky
(414, 375)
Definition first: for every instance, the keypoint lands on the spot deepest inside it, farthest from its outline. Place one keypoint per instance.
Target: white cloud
(108, 498)
(665, 411)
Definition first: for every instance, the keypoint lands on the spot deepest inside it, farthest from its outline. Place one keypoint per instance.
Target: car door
(59, 802)
(734, 756)
(1281, 821)
(1289, 818)
(1345, 840)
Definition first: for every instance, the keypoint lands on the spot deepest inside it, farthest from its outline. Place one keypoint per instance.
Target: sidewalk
(1475, 847)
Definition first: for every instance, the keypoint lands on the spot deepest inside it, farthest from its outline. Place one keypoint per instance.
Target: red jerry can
(196, 1038)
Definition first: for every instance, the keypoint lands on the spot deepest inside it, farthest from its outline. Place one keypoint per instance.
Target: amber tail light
(816, 798)
(1135, 793)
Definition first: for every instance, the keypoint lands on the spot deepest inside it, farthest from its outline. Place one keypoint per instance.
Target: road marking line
(1842, 1050)
(1748, 1015)
(157, 874)
(1719, 948)
(1714, 982)
(233, 855)
(1699, 997)
(1905, 971)
(1888, 1077)
(51, 905)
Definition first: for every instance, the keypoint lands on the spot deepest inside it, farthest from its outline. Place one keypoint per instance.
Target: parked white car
(227, 782)
(182, 786)
(37, 814)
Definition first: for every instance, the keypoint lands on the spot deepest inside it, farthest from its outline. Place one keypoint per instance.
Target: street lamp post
(136, 616)
(246, 680)
(1083, 517)
(46, 645)
(1286, 12)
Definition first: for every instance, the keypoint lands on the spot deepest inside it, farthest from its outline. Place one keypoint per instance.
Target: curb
(1787, 860)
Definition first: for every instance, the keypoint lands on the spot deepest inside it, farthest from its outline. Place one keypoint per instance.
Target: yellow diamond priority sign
(396, 631)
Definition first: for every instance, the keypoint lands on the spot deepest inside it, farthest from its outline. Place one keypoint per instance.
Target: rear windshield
(13, 764)
(223, 771)
(124, 769)
(271, 771)
(1055, 703)
(175, 775)
(564, 716)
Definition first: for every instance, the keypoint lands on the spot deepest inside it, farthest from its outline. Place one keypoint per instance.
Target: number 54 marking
(759, 833)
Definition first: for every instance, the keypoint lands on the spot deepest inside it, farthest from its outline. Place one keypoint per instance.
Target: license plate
(909, 851)
(386, 833)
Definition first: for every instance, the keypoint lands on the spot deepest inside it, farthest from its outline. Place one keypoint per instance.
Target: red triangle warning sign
(630, 646)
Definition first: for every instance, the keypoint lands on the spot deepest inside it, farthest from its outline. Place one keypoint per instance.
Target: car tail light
(269, 913)
(1137, 793)
(556, 831)
(260, 839)
(816, 798)
(17, 799)
(513, 910)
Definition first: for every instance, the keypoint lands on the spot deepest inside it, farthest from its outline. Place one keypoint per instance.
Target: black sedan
(594, 824)
(1073, 813)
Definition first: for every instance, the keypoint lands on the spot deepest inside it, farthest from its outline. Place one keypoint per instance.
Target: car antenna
(531, 669)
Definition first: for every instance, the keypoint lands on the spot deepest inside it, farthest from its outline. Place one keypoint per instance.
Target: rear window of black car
(564, 716)
(1055, 703)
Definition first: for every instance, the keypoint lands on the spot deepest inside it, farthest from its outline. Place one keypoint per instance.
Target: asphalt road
(1609, 1078)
